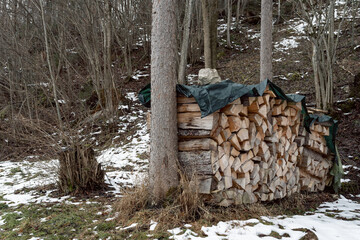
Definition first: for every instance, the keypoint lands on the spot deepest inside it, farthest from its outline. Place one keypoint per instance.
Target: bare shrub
(79, 171)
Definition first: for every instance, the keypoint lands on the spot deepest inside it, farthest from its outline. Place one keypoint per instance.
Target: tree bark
(210, 16)
(185, 41)
(229, 16)
(163, 168)
(206, 27)
(266, 40)
(108, 82)
(279, 11)
(51, 72)
(213, 31)
(314, 61)
(237, 14)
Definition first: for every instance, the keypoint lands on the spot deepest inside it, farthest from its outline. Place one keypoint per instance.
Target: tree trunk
(330, 57)
(279, 11)
(213, 7)
(185, 41)
(210, 16)
(314, 61)
(229, 16)
(51, 72)
(163, 169)
(266, 40)
(108, 82)
(237, 14)
(206, 27)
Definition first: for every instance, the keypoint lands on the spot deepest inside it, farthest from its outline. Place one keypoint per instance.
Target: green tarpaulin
(213, 97)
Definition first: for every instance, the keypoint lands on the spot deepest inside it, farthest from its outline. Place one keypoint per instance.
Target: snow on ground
(334, 220)
(296, 25)
(286, 43)
(23, 182)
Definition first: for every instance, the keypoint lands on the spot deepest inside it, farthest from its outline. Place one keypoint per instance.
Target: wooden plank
(248, 166)
(193, 133)
(237, 164)
(223, 121)
(225, 133)
(231, 161)
(245, 122)
(243, 157)
(260, 100)
(260, 133)
(245, 146)
(263, 110)
(293, 112)
(241, 183)
(314, 155)
(282, 121)
(216, 135)
(326, 131)
(273, 138)
(198, 145)
(193, 120)
(224, 162)
(236, 101)
(250, 154)
(295, 105)
(234, 123)
(256, 118)
(227, 147)
(271, 93)
(198, 162)
(243, 134)
(251, 100)
(190, 107)
(204, 186)
(254, 107)
(235, 142)
(266, 98)
(244, 111)
(215, 160)
(232, 109)
(183, 99)
(234, 152)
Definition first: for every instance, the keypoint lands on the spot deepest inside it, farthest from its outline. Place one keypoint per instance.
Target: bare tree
(229, 20)
(237, 18)
(163, 167)
(320, 20)
(185, 41)
(52, 75)
(210, 16)
(266, 40)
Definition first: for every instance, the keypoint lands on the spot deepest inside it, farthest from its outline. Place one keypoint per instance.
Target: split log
(191, 107)
(198, 144)
(193, 120)
(196, 162)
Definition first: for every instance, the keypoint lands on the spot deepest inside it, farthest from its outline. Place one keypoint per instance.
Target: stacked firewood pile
(251, 150)
(315, 162)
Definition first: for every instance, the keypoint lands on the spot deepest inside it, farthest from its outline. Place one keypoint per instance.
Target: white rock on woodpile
(208, 76)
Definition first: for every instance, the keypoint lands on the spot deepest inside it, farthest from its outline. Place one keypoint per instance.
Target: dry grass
(183, 205)
(79, 171)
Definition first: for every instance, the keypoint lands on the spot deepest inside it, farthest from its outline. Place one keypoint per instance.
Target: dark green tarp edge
(213, 97)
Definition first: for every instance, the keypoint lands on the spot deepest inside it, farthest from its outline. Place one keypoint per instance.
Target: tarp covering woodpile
(320, 130)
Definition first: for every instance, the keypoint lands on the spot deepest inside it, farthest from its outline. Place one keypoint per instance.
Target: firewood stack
(315, 162)
(251, 150)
